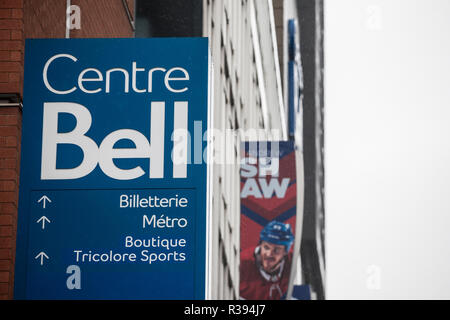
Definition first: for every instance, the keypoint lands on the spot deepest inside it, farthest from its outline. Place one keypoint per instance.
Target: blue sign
(113, 196)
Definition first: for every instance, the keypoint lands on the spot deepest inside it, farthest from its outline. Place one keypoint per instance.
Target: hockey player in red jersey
(264, 270)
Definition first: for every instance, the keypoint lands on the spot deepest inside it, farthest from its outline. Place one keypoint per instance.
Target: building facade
(248, 43)
(247, 95)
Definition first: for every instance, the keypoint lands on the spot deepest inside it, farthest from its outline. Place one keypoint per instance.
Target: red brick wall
(99, 19)
(20, 19)
(10, 125)
(44, 18)
(102, 19)
(11, 75)
(11, 46)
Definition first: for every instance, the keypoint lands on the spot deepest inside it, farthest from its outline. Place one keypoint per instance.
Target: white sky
(387, 149)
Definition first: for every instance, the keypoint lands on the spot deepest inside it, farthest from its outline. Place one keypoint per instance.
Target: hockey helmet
(277, 233)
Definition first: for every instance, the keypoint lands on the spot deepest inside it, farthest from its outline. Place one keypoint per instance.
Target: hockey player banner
(268, 218)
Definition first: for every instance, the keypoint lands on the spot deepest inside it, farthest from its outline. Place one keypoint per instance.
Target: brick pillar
(11, 46)
(11, 76)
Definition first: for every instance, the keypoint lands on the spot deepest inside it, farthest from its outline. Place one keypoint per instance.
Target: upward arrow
(44, 200)
(41, 255)
(43, 220)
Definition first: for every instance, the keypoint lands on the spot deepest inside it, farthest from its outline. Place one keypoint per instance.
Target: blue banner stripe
(253, 216)
(284, 147)
(262, 221)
